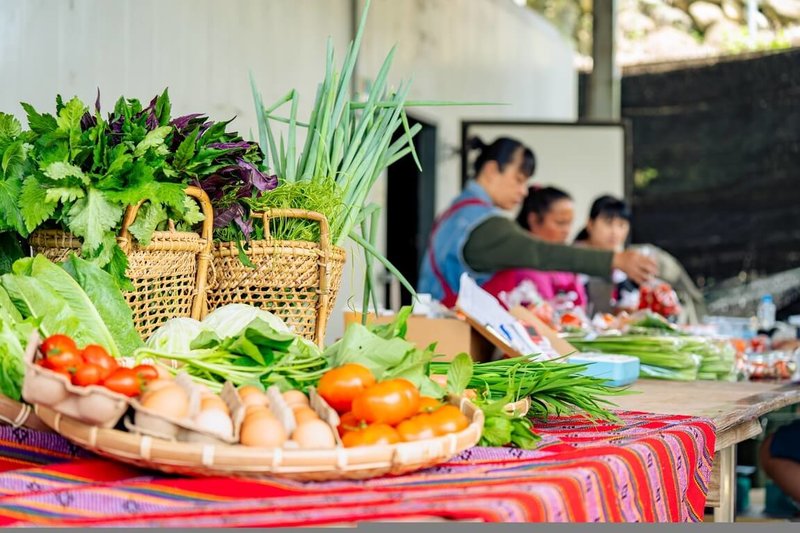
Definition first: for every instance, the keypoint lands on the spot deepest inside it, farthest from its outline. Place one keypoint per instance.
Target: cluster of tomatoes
(92, 365)
(385, 412)
(659, 298)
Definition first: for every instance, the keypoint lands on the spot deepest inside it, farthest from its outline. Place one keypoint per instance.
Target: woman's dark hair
(607, 207)
(539, 201)
(502, 150)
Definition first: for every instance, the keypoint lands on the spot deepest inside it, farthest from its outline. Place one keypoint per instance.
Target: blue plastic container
(620, 370)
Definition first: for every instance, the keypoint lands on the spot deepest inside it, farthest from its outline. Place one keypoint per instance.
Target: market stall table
(649, 468)
(733, 407)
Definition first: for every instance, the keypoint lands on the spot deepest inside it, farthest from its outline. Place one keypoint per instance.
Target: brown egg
(295, 397)
(257, 410)
(256, 399)
(263, 432)
(304, 414)
(171, 401)
(155, 385)
(214, 402)
(314, 434)
(246, 390)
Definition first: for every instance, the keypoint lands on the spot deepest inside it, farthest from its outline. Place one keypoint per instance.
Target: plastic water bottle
(766, 313)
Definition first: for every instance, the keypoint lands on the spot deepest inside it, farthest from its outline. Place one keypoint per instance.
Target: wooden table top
(726, 404)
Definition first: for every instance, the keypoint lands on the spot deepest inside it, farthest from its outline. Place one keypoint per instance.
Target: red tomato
(389, 402)
(371, 435)
(448, 419)
(569, 319)
(340, 385)
(124, 381)
(61, 352)
(146, 372)
(88, 374)
(348, 422)
(428, 404)
(98, 356)
(63, 372)
(420, 427)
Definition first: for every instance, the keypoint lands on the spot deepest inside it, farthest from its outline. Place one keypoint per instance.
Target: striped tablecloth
(650, 468)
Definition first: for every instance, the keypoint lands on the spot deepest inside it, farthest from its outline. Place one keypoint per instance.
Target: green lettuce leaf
(34, 299)
(360, 345)
(91, 323)
(101, 290)
(7, 307)
(12, 351)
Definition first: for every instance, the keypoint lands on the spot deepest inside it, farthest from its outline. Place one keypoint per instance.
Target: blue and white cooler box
(620, 370)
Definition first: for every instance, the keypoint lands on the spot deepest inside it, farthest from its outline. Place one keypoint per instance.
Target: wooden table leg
(726, 512)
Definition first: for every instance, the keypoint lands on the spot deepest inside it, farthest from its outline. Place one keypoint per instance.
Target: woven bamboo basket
(169, 275)
(296, 280)
(17, 414)
(196, 459)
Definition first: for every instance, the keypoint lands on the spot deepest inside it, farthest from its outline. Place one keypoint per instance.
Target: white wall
(466, 50)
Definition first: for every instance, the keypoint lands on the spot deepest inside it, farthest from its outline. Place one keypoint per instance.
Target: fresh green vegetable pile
(78, 172)
(77, 299)
(237, 343)
(679, 358)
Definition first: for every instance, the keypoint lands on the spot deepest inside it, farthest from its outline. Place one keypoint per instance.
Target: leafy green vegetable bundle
(674, 357)
(78, 172)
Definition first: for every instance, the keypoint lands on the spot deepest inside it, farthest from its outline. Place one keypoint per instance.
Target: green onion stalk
(553, 387)
(348, 146)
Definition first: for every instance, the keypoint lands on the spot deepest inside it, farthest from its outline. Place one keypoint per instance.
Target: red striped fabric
(650, 468)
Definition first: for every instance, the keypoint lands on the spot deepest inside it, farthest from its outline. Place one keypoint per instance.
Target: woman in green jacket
(474, 235)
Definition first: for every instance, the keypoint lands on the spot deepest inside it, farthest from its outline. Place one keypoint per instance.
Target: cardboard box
(451, 335)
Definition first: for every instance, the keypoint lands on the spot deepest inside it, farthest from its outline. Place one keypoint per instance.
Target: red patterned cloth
(651, 468)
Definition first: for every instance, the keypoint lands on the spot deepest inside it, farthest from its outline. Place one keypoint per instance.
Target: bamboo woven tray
(18, 414)
(195, 459)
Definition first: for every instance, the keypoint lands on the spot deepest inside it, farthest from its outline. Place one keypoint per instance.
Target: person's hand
(639, 268)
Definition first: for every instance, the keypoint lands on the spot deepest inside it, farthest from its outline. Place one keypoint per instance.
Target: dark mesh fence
(716, 156)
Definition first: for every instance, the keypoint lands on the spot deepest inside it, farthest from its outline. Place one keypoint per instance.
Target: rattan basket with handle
(197, 459)
(169, 275)
(296, 280)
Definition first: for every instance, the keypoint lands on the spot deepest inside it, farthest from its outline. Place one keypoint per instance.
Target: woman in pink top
(547, 213)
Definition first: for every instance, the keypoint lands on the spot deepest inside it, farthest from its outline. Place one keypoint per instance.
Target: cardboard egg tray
(149, 422)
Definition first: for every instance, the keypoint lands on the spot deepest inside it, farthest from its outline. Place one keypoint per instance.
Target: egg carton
(94, 404)
(285, 415)
(326, 413)
(149, 422)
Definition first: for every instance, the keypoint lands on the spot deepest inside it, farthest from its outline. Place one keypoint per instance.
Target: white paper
(486, 310)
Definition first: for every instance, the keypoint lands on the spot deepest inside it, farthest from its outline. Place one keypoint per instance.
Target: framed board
(586, 159)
